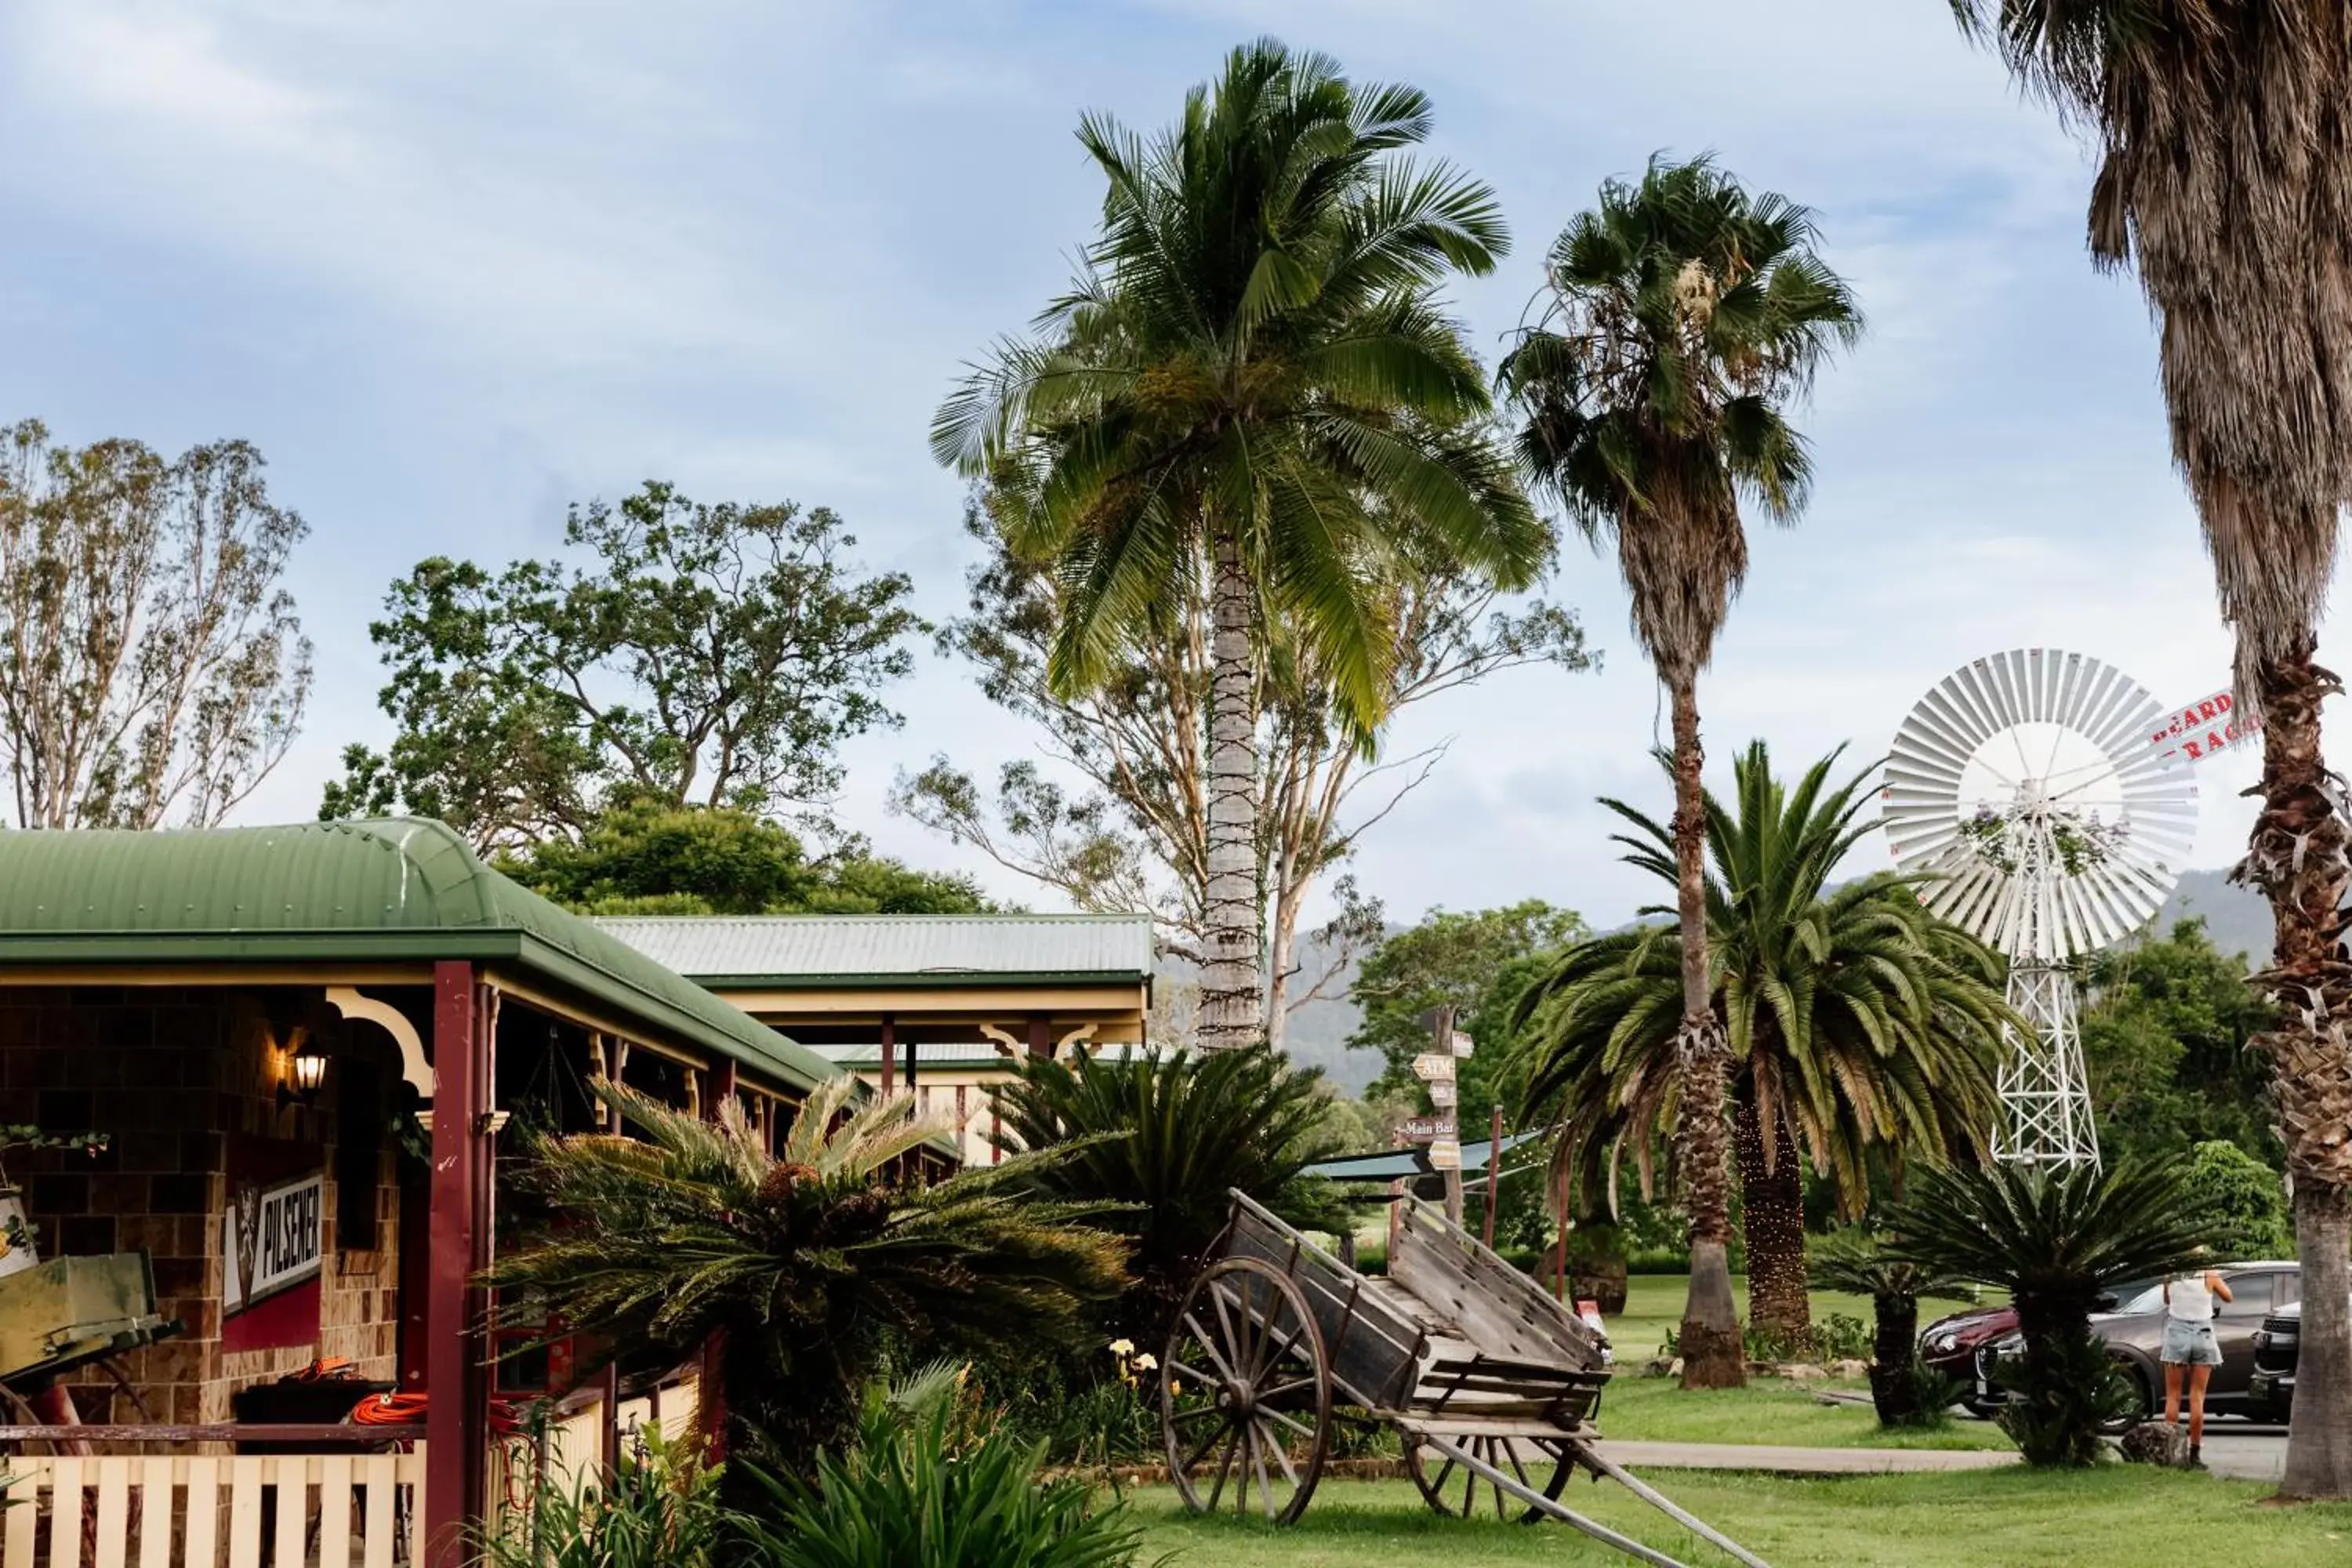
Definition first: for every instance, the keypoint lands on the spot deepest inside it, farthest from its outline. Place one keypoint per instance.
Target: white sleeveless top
(2190, 1299)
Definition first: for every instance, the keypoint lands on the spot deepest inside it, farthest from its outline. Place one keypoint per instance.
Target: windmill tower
(2025, 786)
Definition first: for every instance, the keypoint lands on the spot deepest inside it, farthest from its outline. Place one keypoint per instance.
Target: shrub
(917, 1492)
(661, 1510)
(1170, 1136)
(1855, 1262)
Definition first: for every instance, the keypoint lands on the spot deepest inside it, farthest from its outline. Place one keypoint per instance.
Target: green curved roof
(408, 888)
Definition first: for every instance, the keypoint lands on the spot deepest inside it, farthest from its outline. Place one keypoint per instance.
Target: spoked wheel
(1452, 1487)
(1245, 1392)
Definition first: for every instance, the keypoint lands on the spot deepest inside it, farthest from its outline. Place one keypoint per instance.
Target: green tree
(1684, 318)
(1169, 1137)
(2247, 1198)
(647, 857)
(2169, 1036)
(1133, 835)
(2055, 1237)
(2222, 154)
(152, 670)
(1250, 386)
(1855, 1019)
(811, 1264)
(703, 655)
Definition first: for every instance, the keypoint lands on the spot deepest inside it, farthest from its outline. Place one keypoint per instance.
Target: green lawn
(1654, 1305)
(1996, 1519)
(1767, 1410)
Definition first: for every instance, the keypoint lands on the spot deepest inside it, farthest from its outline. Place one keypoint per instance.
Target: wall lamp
(306, 1071)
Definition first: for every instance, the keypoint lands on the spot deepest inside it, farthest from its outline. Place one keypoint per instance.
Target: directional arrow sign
(1445, 1155)
(1441, 1095)
(1431, 1067)
(1461, 1043)
(1428, 1129)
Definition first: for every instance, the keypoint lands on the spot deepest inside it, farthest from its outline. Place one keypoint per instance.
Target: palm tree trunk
(1892, 1353)
(1713, 1353)
(2298, 858)
(1233, 974)
(1772, 1197)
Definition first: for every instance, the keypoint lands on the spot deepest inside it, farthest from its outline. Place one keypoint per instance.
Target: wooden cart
(1493, 1386)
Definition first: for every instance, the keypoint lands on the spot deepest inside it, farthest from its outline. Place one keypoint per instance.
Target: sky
(454, 265)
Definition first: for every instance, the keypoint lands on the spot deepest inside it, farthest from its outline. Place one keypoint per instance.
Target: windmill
(2047, 797)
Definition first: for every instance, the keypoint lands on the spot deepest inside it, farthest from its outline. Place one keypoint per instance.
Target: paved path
(1793, 1460)
(2246, 1456)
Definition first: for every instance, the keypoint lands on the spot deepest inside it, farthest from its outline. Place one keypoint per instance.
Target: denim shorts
(2190, 1344)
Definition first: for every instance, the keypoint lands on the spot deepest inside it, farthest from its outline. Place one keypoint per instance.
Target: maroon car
(1949, 1346)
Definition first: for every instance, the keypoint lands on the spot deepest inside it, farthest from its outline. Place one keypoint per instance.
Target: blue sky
(453, 264)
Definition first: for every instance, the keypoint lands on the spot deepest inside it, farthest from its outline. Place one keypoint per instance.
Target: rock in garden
(1804, 1372)
(2156, 1443)
(1849, 1368)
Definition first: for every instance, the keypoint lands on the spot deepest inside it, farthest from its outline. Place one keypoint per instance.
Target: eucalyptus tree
(1684, 316)
(1251, 385)
(2223, 131)
(1857, 1021)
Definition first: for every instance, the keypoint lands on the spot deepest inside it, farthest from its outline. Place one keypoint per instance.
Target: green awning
(397, 890)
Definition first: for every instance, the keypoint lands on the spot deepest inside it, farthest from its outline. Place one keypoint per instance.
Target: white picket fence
(325, 1510)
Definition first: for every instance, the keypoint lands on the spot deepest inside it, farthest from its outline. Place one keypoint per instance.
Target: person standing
(2190, 1352)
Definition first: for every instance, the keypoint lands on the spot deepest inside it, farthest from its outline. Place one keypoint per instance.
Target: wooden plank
(204, 1513)
(244, 1475)
(293, 1507)
(377, 1473)
(335, 1511)
(22, 1520)
(65, 1513)
(113, 1542)
(155, 1499)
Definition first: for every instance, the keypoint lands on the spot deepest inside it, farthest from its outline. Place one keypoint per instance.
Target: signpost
(2203, 728)
(1428, 1129)
(1441, 1095)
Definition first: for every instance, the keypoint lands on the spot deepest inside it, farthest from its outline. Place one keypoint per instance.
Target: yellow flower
(1145, 1362)
(1122, 1348)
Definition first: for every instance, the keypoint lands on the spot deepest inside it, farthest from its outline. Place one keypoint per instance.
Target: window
(2250, 1294)
(2147, 1300)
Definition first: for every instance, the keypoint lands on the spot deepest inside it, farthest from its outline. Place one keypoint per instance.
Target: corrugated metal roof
(801, 950)
(951, 1053)
(405, 889)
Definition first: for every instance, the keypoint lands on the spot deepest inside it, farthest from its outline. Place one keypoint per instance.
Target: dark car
(2271, 1393)
(2134, 1333)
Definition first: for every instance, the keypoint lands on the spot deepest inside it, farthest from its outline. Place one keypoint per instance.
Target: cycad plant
(1167, 1136)
(808, 1263)
(2055, 1239)
(1686, 319)
(1857, 1262)
(1252, 385)
(1857, 1021)
(659, 1509)
(920, 1489)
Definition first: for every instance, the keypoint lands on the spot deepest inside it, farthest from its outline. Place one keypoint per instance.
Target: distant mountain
(2237, 918)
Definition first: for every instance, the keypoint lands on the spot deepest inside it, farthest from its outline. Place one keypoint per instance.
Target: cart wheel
(1246, 1392)
(1452, 1488)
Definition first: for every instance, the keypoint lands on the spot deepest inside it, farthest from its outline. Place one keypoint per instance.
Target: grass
(1654, 1306)
(1992, 1519)
(1769, 1410)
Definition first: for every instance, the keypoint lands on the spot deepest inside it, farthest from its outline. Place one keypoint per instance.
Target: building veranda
(309, 1050)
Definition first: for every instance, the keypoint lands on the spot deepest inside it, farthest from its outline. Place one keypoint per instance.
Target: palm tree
(1855, 1019)
(1168, 1138)
(1855, 1261)
(2226, 175)
(807, 1264)
(2055, 1239)
(1685, 317)
(1251, 385)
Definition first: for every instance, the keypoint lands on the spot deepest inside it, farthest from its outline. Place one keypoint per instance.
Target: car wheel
(2143, 1404)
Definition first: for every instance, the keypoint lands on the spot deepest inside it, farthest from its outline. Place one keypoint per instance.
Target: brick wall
(168, 1074)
